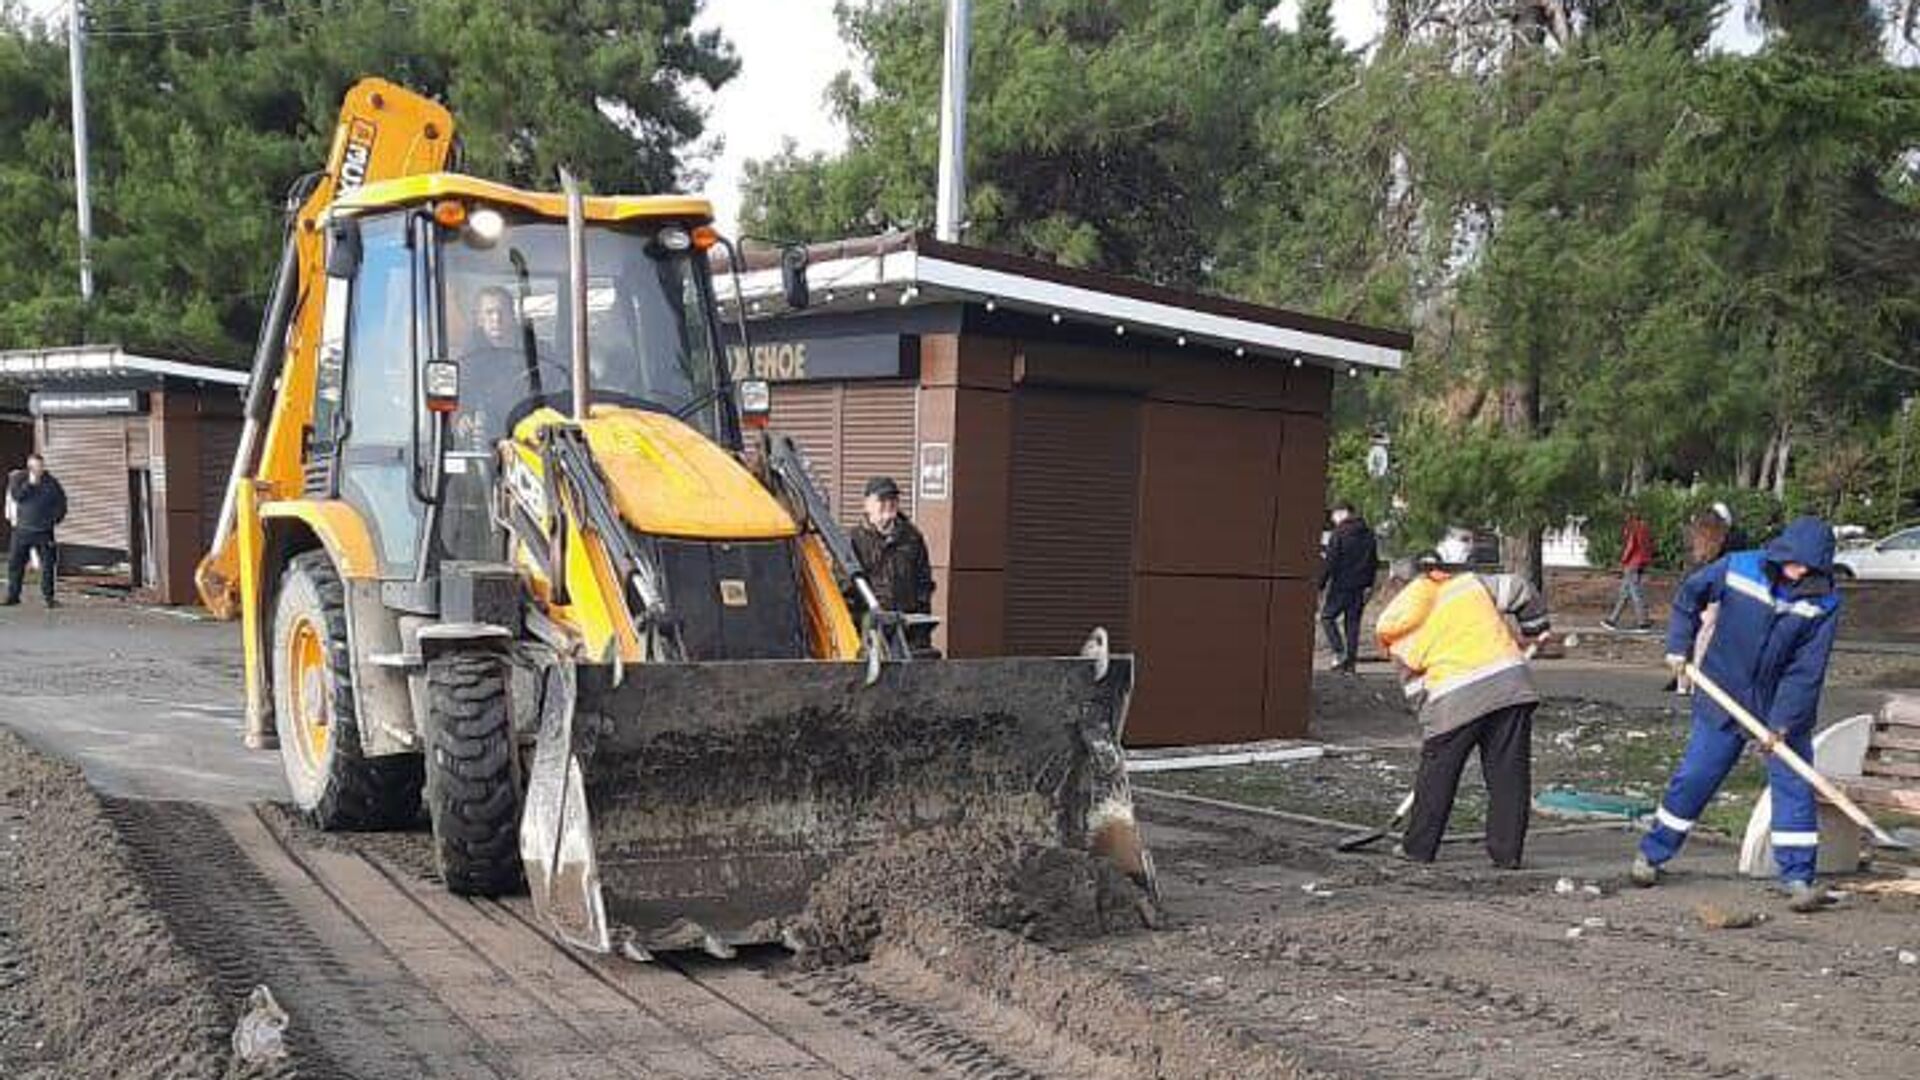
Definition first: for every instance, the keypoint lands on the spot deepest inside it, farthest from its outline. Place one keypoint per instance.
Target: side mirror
(441, 384)
(343, 250)
(793, 276)
(755, 397)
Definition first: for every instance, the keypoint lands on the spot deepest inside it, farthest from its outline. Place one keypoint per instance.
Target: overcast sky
(790, 50)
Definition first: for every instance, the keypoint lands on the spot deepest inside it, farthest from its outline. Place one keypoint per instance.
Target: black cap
(884, 487)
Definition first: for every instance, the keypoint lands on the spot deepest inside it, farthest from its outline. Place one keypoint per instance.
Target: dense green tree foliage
(202, 115)
(1627, 260)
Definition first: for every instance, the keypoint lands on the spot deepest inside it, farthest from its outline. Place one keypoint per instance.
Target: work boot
(1643, 872)
(52, 603)
(11, 601)
(1805, 897)
(1610, 625)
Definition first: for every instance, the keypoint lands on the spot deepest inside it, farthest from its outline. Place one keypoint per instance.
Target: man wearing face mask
(38, 503)
(894, 554)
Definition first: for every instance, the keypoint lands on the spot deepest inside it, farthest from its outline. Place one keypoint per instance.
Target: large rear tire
(334, 784)
(473, 783)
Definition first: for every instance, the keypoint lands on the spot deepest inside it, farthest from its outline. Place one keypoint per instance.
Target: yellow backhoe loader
(495, 538)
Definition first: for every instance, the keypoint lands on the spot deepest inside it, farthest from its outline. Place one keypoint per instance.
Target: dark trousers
(24, 543)
(1505, 740)
(1347, 606)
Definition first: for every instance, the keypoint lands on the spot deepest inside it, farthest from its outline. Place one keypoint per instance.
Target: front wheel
(473, 782)
(334, 784)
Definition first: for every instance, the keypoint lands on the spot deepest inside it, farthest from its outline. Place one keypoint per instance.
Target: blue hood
(1806, 540)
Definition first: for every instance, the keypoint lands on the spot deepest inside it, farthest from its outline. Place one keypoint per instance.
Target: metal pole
(1900, 470)
(577, 287)
(77, 66)
(952, 195)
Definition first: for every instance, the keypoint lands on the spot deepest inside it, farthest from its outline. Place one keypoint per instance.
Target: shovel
(1770, 743)
(1355, 843)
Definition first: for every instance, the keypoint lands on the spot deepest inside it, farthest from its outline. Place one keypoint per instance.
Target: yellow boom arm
(385, 131)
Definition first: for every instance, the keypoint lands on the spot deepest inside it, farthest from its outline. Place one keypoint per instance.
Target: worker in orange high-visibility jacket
(1447, 631)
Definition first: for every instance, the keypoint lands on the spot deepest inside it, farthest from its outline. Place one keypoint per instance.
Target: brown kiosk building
(142, 445)
(1081, 450)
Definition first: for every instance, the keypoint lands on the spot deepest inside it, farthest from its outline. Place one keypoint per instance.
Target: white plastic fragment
(260, 1034)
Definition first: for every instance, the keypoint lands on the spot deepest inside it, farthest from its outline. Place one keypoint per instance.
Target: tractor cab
(448, 321)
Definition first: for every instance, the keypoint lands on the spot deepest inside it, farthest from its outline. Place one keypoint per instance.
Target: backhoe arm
(384, 131)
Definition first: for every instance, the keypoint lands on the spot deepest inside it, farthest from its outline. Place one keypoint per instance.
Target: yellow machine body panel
(411, 190)
(340, 528)
(668, 480)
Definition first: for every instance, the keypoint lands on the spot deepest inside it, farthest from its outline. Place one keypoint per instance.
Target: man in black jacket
(1346, 577)
(894, 555)
(38, 503)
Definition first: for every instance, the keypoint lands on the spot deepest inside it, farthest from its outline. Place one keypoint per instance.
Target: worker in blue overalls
(1778, 611)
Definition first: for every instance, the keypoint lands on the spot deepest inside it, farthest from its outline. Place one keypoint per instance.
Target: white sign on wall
(936, 471)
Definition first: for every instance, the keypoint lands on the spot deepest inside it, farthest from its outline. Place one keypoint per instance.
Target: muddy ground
(131, 930)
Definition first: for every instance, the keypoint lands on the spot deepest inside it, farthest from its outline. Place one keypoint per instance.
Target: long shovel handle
(1769, 741)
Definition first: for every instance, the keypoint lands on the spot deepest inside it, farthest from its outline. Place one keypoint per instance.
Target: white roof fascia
(1126, 310)
(115, 361)
(856, 272)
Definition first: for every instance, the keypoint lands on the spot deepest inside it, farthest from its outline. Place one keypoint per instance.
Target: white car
(1895, 558)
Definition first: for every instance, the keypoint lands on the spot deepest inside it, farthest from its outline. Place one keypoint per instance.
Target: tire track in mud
(240, 929)
(815, 1011)
(908, 1029)
(680, 1015)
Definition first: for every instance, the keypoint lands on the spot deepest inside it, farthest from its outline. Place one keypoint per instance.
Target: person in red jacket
(1636, 554)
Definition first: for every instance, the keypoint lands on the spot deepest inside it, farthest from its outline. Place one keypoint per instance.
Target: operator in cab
(493, 368)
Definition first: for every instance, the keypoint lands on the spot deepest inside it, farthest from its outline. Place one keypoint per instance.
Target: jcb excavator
(494, 536)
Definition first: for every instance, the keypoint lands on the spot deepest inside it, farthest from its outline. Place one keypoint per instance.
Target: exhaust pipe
(577, 283)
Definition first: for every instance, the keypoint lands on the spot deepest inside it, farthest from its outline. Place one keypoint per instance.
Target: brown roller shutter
(810, 415)
(89, 455)
(877, 433)
(1075, 478)
(219, 441)
(139, 442)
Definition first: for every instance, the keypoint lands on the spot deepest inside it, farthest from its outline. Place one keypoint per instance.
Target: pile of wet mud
(998, 875)
(91, 981)
(1122, 1015)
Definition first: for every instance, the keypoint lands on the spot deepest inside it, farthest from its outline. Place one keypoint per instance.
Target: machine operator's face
(1793, 571)
(881, 511)
(494, 319)
(35, 467)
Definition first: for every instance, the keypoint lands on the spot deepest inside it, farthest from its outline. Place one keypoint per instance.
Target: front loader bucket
(695, 804)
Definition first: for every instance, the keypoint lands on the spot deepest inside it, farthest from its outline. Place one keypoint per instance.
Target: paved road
(147, 701)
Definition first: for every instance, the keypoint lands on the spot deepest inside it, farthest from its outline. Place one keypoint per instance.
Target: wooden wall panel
(1208, 482)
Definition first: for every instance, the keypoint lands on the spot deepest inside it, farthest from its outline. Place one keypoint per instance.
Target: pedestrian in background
(1636, 554)
(894, 555)
(1347, 572)
(37, 504)
(1779, 611)
(1447, 631)
(1706, 542)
